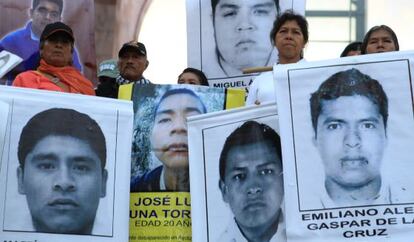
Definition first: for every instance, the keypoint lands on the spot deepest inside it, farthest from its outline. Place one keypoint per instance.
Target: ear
(31, 13)
(146, 64)
(20, 180)
(224, 192)
(104, 180)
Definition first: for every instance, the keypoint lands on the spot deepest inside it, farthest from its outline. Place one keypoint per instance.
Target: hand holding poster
(61, 165)
(236, 176)
(346, 126)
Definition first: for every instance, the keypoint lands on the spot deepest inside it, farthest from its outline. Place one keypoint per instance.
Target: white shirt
(232, 232)
(262, 89)
(388, 194)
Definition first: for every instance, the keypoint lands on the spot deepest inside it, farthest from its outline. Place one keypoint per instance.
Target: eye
(266, 172)
(46, 166)
(229, 13)
(368, 125)
(334, 126)
(239, 176)
(81, 168)
(261, 12)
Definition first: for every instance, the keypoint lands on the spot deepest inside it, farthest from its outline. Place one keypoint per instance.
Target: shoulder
(149, 182)
(26, 79)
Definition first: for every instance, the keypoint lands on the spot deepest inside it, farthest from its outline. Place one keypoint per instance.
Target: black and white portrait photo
(59, 168)
(243, 176)
(348, 133)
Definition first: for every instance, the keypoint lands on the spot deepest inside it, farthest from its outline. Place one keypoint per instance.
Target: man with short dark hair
(62, 156)
(241, 31)
(349, 116)
(24, 42)
(169, 142)
(251, 182)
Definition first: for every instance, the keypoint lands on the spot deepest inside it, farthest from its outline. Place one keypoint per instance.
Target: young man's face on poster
(351, 139)
(241, 29)
(169, 133)
(253, 184)
(45, 13)
(63, 182)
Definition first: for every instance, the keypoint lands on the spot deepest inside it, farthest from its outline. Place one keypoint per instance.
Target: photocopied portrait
(348, 146)
(62, 170)
(251, 183)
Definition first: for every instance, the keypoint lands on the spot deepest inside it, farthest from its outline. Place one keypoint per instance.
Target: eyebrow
(52, 156)
(171, 111)
(235, 6)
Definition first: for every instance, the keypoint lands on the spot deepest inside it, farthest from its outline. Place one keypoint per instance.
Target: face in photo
(169, 133)
(253, 185)
(351, 141)
(63, 181)
(241, 29)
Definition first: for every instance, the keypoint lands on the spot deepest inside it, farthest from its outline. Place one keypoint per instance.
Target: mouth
(63, 203)
(179, 147)
(255, 205)
(245, 43)
(353, 162)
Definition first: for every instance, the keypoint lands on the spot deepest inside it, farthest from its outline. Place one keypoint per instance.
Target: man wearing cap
(132, 63)
(107, 74)
(24, 42)
(56, 72)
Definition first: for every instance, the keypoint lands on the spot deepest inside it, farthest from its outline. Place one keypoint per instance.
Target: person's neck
(261, 233)
(288, 60)
(353, 195)
(177, 179)
(36, 32)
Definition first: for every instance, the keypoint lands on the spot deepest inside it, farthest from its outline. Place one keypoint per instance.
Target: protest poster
(160, 208)
(235, 36)
(4, 117)
(236, 175)
(347, 132)
(7, 62)
(21, 24)
(63, 174)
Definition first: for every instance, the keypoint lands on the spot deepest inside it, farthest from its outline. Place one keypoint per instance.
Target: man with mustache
(349, 116)
(132, 63)
(241, 32)
(62, 156)
(251, 182)
(169, 142)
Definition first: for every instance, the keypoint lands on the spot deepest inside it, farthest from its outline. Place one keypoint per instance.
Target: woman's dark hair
(289, 15)
(201, 76)
(353, 46)
(374, 29)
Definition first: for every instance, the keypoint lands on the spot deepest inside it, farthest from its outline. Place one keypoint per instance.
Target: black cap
(56, 27)
(135, 46)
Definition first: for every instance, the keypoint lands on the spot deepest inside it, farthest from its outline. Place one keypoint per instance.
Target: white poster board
(348, 166)
(65, 163)
(212, 217)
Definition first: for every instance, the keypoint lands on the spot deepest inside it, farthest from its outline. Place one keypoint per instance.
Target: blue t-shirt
(23, 43)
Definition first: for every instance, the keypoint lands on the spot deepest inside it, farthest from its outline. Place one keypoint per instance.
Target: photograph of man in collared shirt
(349, 116)
(251, 183)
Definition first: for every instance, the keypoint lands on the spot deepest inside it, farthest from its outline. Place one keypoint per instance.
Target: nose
(254, 187)
(244, 23)
(64, 181)
(179, 125)
(352, 139)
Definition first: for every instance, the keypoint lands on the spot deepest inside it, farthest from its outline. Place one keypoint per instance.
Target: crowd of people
(52, 61)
